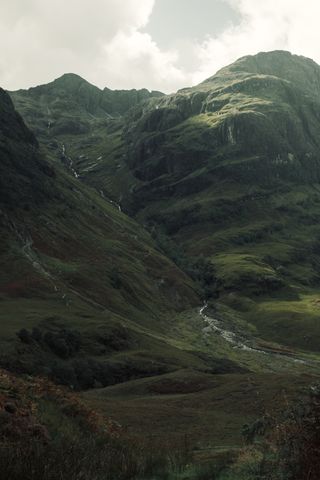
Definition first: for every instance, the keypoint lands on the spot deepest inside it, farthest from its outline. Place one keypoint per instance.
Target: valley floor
(209, 409)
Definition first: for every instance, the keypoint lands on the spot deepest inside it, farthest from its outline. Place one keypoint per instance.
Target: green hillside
(80, 125)
(230, 170)
(80, 281)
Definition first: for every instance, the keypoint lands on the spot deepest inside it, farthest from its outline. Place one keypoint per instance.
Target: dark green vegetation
(88, 280)
(138, 206)
(24, 176)
(46, 433)
(78, 123)
(283, 447)
(215, 407)
(228, 170)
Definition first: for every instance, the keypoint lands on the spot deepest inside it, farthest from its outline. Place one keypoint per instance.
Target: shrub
(64, 343)
(36, 334)
(115, 279)
(89, 458)
(288, 447)
(297, 440)
(64, 374)
(200, 269)
(24, 336)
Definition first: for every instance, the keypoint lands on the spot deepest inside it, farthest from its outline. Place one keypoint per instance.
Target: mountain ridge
(298, 69)
(225, 170)
(103, 101)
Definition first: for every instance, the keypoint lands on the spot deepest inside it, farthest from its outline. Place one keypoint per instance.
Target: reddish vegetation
(19, 401)
(23, 287)
(57, 247)
(168, 387)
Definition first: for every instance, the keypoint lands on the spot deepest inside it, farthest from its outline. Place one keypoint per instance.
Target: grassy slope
(211, 406)
(70, 259)
(46, 432)
(210, 410)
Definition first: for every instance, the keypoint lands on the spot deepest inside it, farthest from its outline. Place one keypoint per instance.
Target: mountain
(244, 114)
(86, 295)
(80, 97)
(78, 123)
(160, 254)
(228, 171)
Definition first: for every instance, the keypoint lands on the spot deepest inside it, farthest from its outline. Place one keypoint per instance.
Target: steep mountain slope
(240, 119)
(23, 176)
(230, 169)
(71, 261)
(78, 123)
(72, 95)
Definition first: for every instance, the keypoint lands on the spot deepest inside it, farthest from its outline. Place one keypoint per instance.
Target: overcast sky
(157, 44)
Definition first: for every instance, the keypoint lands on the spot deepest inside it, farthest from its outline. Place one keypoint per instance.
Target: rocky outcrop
(252, 111)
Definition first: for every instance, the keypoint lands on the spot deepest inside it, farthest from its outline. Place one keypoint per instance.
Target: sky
(156, 44)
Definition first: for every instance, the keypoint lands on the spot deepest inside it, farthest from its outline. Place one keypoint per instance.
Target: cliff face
(24, 176)
(261, 110)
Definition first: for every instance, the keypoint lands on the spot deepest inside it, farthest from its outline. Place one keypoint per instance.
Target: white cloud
(44, 39)
(265, 25)
(134, 59)
(103, 41)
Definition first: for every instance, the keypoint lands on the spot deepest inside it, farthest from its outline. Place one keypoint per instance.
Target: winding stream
(215, 325)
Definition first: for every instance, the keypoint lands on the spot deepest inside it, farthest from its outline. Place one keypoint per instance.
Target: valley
(160, 254)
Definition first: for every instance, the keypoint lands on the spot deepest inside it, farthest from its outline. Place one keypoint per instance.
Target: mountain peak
(302, 71)
(70, 76)
(272, 63)
(72, 81)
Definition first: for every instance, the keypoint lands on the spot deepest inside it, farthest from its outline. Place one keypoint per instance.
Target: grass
(210, 410)
(259, 252)
(246, 467)
(240, 268)
(50, 434)
(60, 436)
(87, 267)
(141, 352)
(293, 322)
